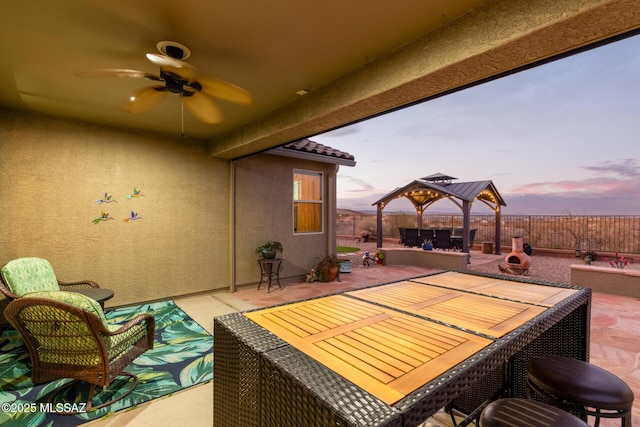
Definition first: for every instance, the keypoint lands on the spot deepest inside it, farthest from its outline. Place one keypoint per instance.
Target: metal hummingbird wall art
(132, 217)
(107, 198)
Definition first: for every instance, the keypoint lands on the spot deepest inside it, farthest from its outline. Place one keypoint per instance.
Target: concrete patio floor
(615, 343)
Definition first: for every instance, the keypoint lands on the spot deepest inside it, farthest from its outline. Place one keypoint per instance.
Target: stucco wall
(264, 211)
(443, 260)
(52, 172)
(624, 282)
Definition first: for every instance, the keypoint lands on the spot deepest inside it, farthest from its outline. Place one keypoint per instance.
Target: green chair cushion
(27, 275)
(74, 299)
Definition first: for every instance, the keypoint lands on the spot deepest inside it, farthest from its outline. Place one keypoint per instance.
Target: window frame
(321, 202)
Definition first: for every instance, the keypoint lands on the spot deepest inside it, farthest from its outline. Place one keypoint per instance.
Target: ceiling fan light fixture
(173, 49)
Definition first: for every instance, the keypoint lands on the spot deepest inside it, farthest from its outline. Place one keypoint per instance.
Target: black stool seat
(581, 384)
(529, 413)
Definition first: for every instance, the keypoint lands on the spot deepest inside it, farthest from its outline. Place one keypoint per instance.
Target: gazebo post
(466, 225)
(498, 228)
(379, 225)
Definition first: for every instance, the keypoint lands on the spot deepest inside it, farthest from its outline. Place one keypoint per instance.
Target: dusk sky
(561, 138)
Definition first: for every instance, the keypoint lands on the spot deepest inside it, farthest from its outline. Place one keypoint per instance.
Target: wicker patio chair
(26, 275)
(403, 234)
(456, 241)
(443, 239)
(68, 336)
(427, 235)
(411, 237)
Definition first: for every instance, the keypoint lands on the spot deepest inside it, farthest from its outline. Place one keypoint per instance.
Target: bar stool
(580, 387)
(514, 412)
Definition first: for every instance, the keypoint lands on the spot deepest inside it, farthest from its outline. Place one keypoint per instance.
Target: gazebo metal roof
(428, 190)
(424, 192)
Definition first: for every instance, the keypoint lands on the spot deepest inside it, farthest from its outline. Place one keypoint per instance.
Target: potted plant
(620, 261)
(269, 249)
(328, 269)
(427, 245)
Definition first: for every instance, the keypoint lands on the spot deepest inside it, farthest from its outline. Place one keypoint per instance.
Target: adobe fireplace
(518, 262)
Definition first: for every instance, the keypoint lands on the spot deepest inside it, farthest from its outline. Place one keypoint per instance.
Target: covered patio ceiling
(424, 192)
(310, 66)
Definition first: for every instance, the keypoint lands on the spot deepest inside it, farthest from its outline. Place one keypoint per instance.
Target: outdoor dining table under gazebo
(424, 192)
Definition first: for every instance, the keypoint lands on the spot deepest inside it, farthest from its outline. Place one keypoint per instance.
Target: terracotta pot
(332, 273)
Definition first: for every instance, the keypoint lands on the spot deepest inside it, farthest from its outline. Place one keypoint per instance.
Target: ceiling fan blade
(147, 99)
(117, 72)
(225, 90)
(167, 61)
(203, 108)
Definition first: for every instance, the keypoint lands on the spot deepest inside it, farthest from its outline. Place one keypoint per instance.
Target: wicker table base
(262, 380)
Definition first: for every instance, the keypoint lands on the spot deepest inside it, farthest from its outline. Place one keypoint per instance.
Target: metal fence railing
(596, 233)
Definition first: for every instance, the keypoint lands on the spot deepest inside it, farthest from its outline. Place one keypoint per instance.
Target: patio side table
(98, 294)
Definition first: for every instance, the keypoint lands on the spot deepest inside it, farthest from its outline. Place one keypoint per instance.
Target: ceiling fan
(178, 77)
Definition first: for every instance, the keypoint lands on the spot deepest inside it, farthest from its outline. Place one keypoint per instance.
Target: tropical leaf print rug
(182, 357)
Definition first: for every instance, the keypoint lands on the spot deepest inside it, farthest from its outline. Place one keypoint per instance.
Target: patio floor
(615, 344)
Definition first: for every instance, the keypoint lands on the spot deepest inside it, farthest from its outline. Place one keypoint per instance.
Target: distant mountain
(351, 212)
(393, 212)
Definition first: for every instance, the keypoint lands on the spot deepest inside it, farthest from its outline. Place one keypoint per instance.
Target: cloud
(613, 178)
(628, 168)
(587, 186)
(355, 185)
(612, 191)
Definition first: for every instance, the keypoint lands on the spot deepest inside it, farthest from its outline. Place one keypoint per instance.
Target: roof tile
(308, 146)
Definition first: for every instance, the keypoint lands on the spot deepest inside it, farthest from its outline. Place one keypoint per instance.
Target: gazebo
(426, 191)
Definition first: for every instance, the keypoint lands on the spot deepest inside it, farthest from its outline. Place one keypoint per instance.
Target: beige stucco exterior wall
(53, 171)
(264, 211)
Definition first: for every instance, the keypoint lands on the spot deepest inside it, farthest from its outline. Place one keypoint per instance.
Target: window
(307, 201)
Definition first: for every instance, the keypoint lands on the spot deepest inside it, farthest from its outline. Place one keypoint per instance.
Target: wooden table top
(486, 315)
(392, 339)
(546, 296)
(385, 352)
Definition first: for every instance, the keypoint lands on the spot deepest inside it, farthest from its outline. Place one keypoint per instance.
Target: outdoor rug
(182, 357)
